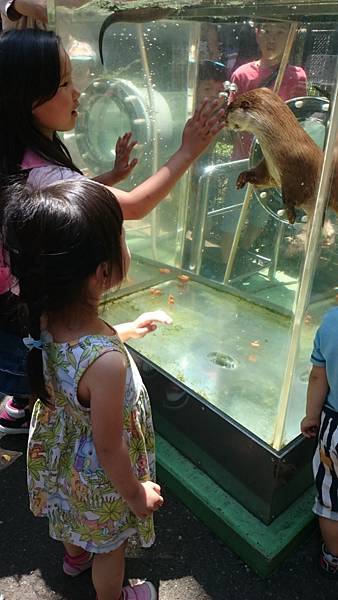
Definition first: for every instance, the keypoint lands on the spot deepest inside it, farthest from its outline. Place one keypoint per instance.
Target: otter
(292, 161)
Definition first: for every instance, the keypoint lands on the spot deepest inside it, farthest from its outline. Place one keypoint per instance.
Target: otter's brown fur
(292, 160)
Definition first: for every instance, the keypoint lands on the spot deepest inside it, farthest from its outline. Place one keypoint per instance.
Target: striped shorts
(325, 466)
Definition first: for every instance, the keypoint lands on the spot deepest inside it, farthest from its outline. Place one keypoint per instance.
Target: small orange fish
(255, 344)
(252, 358)
(164, 270)
(155, 292)
(307, 319)
(183, 278)
(171, 299)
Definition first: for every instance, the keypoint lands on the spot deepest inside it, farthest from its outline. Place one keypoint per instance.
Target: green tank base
(261, 547)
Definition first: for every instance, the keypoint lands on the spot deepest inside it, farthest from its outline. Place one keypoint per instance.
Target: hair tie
(31, 343)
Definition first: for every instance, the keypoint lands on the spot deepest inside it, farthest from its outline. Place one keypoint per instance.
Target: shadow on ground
(187, 561)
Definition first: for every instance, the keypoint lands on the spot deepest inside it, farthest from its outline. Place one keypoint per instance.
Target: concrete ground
(186, 562)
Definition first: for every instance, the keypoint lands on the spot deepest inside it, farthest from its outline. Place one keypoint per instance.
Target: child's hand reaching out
(198, 132)
(203, 126)
(145, 323)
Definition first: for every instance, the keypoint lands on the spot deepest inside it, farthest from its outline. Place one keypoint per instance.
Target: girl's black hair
(29, 75)
(56, 237)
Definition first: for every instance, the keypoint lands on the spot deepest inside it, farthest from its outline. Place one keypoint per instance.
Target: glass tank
(245, 288)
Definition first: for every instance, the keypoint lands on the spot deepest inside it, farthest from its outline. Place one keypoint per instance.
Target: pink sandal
(140, 591)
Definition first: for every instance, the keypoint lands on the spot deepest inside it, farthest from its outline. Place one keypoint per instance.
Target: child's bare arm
(105, 381)
(199, 131)
(317, 390)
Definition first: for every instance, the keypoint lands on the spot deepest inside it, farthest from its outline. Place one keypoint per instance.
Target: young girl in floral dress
(91, 464)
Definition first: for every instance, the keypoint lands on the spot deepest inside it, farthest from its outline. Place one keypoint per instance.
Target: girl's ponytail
(33, 303)
(29, 271)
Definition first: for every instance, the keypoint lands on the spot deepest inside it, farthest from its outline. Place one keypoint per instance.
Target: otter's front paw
(291, 214)
(244, 178)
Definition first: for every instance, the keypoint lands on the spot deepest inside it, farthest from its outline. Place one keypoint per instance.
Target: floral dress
(65, 480)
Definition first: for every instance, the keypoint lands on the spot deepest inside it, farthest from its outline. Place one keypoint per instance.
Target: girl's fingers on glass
(204, 111)
(209, 120)
(216, 128)
(216, 120)
(211, 123)
(209, 108)
(204, 115)
(219, 114)
(201, 108)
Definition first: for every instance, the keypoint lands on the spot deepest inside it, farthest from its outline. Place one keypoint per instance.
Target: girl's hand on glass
(122, 166)
(309, 426)
(146, 323)
(203, 126)
(147, 499)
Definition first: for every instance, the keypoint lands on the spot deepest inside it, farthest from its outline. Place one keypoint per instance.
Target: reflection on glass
(230, 342)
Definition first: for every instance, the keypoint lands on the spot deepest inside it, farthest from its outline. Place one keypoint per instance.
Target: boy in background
(262, 72)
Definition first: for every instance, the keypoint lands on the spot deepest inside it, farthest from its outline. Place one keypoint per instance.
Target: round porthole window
(109, 108)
